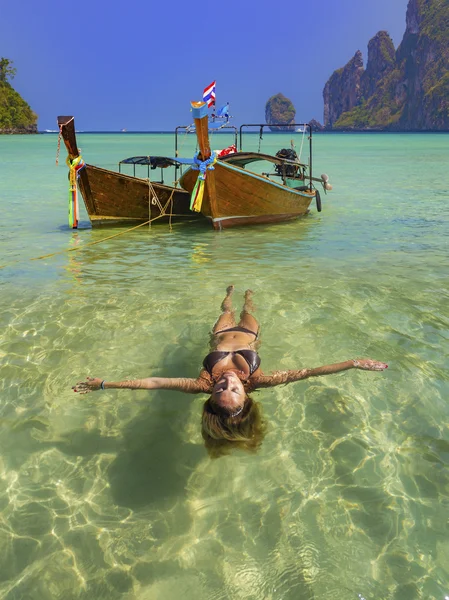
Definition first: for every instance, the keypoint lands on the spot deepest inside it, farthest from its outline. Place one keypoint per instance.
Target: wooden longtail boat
(233, 195)
(113, 198)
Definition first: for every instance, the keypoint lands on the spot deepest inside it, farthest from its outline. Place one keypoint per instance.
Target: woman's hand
(366, 364)
(92, 384)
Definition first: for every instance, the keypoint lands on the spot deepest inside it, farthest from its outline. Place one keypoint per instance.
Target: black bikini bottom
(238, 328)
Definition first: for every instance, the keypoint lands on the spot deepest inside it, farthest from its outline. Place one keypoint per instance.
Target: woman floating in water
(230, 372)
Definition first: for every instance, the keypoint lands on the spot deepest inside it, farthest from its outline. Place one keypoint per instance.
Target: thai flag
(209, 95)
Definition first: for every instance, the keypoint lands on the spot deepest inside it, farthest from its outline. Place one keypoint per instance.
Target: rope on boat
(59, 140)
(154, 200)
(302, 143)
(260, 137)
(58, 148)
(183, 140)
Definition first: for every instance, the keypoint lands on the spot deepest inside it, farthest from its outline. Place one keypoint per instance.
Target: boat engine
(288, 170)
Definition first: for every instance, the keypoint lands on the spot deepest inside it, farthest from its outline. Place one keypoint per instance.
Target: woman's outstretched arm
(280, 377)
(182, 384)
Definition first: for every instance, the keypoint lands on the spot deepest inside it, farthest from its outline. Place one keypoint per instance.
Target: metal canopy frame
(262, 126)
(178, 163)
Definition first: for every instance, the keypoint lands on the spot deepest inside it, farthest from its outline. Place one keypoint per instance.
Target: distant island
(280, 109)
(16, 115)
(400, 90)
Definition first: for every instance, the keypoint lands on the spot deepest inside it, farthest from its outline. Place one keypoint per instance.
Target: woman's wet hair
(222, 432)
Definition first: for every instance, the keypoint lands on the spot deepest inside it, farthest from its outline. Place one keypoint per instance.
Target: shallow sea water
(112, 495)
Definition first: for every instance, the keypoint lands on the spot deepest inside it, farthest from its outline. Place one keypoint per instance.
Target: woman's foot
(229, 290)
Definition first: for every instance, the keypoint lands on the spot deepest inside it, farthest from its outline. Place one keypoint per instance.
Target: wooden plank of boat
(113, 198)
(235, 196)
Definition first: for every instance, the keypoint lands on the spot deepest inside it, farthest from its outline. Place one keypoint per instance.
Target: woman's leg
(247, 320)
(226, 319)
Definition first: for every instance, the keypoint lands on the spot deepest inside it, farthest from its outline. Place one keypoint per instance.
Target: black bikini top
(250, 356)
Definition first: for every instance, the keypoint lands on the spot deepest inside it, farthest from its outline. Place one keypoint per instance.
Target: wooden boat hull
(246, 198)
(113, 198)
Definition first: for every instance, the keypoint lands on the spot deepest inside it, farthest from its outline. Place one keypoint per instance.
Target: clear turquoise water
(112, 495)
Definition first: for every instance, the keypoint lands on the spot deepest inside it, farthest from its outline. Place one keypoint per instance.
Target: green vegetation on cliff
(16, 115)
(380, 111)
(435, 28)
(435, 21)
(386, 49)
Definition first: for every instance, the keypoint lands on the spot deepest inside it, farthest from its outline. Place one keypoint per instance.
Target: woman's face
(229, 392)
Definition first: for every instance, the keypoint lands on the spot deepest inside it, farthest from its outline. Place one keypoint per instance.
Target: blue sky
(137, 65)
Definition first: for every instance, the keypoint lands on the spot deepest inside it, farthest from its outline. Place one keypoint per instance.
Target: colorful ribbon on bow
(196, 198)
(75, 167)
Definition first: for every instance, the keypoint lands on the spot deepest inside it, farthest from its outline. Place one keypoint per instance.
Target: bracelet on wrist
(102, 384)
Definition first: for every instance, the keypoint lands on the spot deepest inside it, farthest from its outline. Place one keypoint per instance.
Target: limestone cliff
(280, 109)
(342, 91)
(381, 61)
(406, 89)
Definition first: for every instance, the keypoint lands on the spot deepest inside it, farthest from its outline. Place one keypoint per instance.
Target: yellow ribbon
(196, 198)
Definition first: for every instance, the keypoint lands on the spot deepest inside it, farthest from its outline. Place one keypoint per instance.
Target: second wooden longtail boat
(230, 195)
(113, 198)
